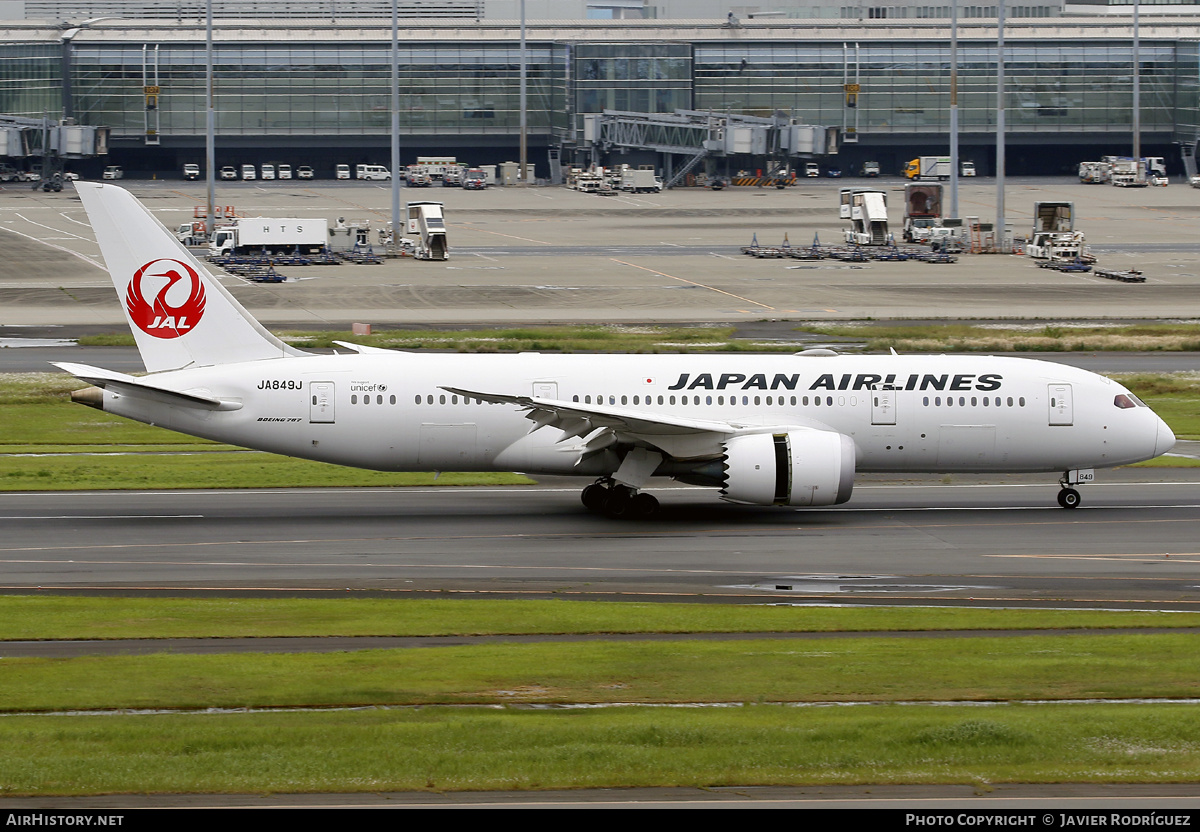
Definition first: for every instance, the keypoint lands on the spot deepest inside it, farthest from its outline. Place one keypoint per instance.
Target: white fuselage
(903, 413)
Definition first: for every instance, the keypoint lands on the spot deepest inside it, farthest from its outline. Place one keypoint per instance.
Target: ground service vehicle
(284, 171)
(191, 233)
(304, 172)
(8, 174)
(928, 167)
(191, 172)
(113, 172)
(372, 172)
(342, 172)
(474, 180)
(248, 172)
(967, 168)
(812, 169)
(268, 235)
(640, 181)
(268, 172)
(922, 211)
(229, 172)
(866, 208)
(416, 177)
(869, 169)
(768, 430)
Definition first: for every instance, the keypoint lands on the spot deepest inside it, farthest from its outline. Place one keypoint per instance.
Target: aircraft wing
(677, 436)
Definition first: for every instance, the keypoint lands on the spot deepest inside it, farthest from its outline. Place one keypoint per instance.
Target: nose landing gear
(1069, 498)
(606, 497)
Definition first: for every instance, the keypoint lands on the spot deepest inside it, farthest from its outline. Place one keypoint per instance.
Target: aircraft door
(320, 403)
(1060, 400)
(883, 407)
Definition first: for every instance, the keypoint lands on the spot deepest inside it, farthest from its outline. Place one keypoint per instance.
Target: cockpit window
(1125, 401)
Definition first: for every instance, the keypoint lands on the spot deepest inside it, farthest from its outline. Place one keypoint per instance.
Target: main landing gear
(607, 497)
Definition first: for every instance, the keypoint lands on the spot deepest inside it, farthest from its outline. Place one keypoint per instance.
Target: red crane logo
(157, 316)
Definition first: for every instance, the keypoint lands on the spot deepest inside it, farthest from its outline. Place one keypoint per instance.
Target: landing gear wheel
(619, 501)
(644, 505)
(1069, 498)
(594, 496)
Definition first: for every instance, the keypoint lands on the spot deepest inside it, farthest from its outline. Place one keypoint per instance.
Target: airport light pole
(1000, 223)
(1137, 94)
(395, 127)
(210, 153)
(524, 110)
(954, 169)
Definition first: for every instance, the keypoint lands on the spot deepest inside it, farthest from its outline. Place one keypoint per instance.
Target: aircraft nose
(1165, 440)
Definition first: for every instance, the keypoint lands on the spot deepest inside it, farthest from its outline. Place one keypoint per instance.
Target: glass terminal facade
(327, 90)
(1052, 87)
(329, 86)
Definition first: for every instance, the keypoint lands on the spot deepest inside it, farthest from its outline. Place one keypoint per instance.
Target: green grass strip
(24, 617)
(1118, 666)
(935, 338)
(213, 469)
(440, 749)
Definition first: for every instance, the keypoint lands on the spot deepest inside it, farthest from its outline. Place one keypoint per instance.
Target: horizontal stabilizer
(363, 349)
(142, 387)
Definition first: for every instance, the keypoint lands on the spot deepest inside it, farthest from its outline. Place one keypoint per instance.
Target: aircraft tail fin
(180, 315)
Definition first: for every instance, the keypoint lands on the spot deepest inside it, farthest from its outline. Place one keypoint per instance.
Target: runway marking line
(500, 234)
(518, 489)
(397, 565)
(63, 249)
(698, 285)
(1181, 557)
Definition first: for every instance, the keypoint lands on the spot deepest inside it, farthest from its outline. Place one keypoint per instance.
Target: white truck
(866, 208)
(928, 167)
(266, 236)
(191, 233)
(640, 181)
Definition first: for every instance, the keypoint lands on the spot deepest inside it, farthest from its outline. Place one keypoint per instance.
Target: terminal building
(316, 89)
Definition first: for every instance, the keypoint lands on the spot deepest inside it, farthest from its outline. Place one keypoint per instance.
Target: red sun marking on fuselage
(156, 316)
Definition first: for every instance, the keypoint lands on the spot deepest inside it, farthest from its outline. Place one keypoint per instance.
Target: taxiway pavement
(929, 540)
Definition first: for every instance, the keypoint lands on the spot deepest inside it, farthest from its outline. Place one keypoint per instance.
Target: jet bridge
(697, 135)
(53, 141)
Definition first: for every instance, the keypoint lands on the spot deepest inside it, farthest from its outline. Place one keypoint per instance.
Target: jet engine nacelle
(793, 468)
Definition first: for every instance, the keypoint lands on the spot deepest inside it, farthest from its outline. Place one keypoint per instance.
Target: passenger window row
(777, 401)
(441, 399)
(988, 401)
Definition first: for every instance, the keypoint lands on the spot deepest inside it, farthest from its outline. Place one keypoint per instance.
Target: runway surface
(932, 541)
